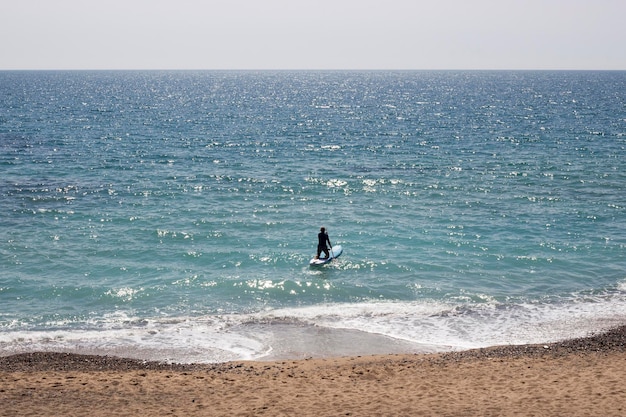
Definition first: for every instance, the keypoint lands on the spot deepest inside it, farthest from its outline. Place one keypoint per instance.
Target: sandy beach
(581, 377)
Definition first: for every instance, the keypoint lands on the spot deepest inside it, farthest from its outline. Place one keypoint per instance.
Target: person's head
(323, 230)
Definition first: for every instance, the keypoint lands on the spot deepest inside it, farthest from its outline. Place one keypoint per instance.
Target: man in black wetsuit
(322, 238)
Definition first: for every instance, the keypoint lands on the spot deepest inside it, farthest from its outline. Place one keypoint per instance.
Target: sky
(313, 34)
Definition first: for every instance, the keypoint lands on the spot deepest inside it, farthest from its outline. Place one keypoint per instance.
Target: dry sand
(582, 377)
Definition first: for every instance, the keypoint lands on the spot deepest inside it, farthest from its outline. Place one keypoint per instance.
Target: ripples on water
(152, 195)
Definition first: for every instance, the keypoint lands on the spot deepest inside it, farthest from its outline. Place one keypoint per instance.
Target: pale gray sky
(312, 34)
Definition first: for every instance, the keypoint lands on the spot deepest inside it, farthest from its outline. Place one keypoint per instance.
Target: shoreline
(612, 340)
(574, 377)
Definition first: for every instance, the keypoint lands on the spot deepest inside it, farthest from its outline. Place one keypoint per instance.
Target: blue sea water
(172, 215)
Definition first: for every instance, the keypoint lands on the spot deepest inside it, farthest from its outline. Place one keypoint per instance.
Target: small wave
(442, 326)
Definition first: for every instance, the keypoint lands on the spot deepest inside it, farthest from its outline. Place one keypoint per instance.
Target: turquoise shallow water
(171, 215)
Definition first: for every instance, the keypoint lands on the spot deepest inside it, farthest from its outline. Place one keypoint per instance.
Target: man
(322, 238)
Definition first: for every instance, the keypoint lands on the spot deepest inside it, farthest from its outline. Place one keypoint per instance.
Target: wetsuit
(322, 238)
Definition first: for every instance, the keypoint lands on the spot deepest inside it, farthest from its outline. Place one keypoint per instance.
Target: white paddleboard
(335, 252)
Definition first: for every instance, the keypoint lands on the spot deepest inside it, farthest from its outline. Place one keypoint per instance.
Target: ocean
(171, 215)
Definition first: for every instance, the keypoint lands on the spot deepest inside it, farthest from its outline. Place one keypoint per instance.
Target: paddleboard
(335, 252)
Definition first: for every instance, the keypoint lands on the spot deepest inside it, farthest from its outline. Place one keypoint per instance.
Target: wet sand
(581, 377)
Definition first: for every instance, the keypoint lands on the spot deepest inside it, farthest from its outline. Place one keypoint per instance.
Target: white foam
(453, 327)
(169, 340)
(427, 326)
